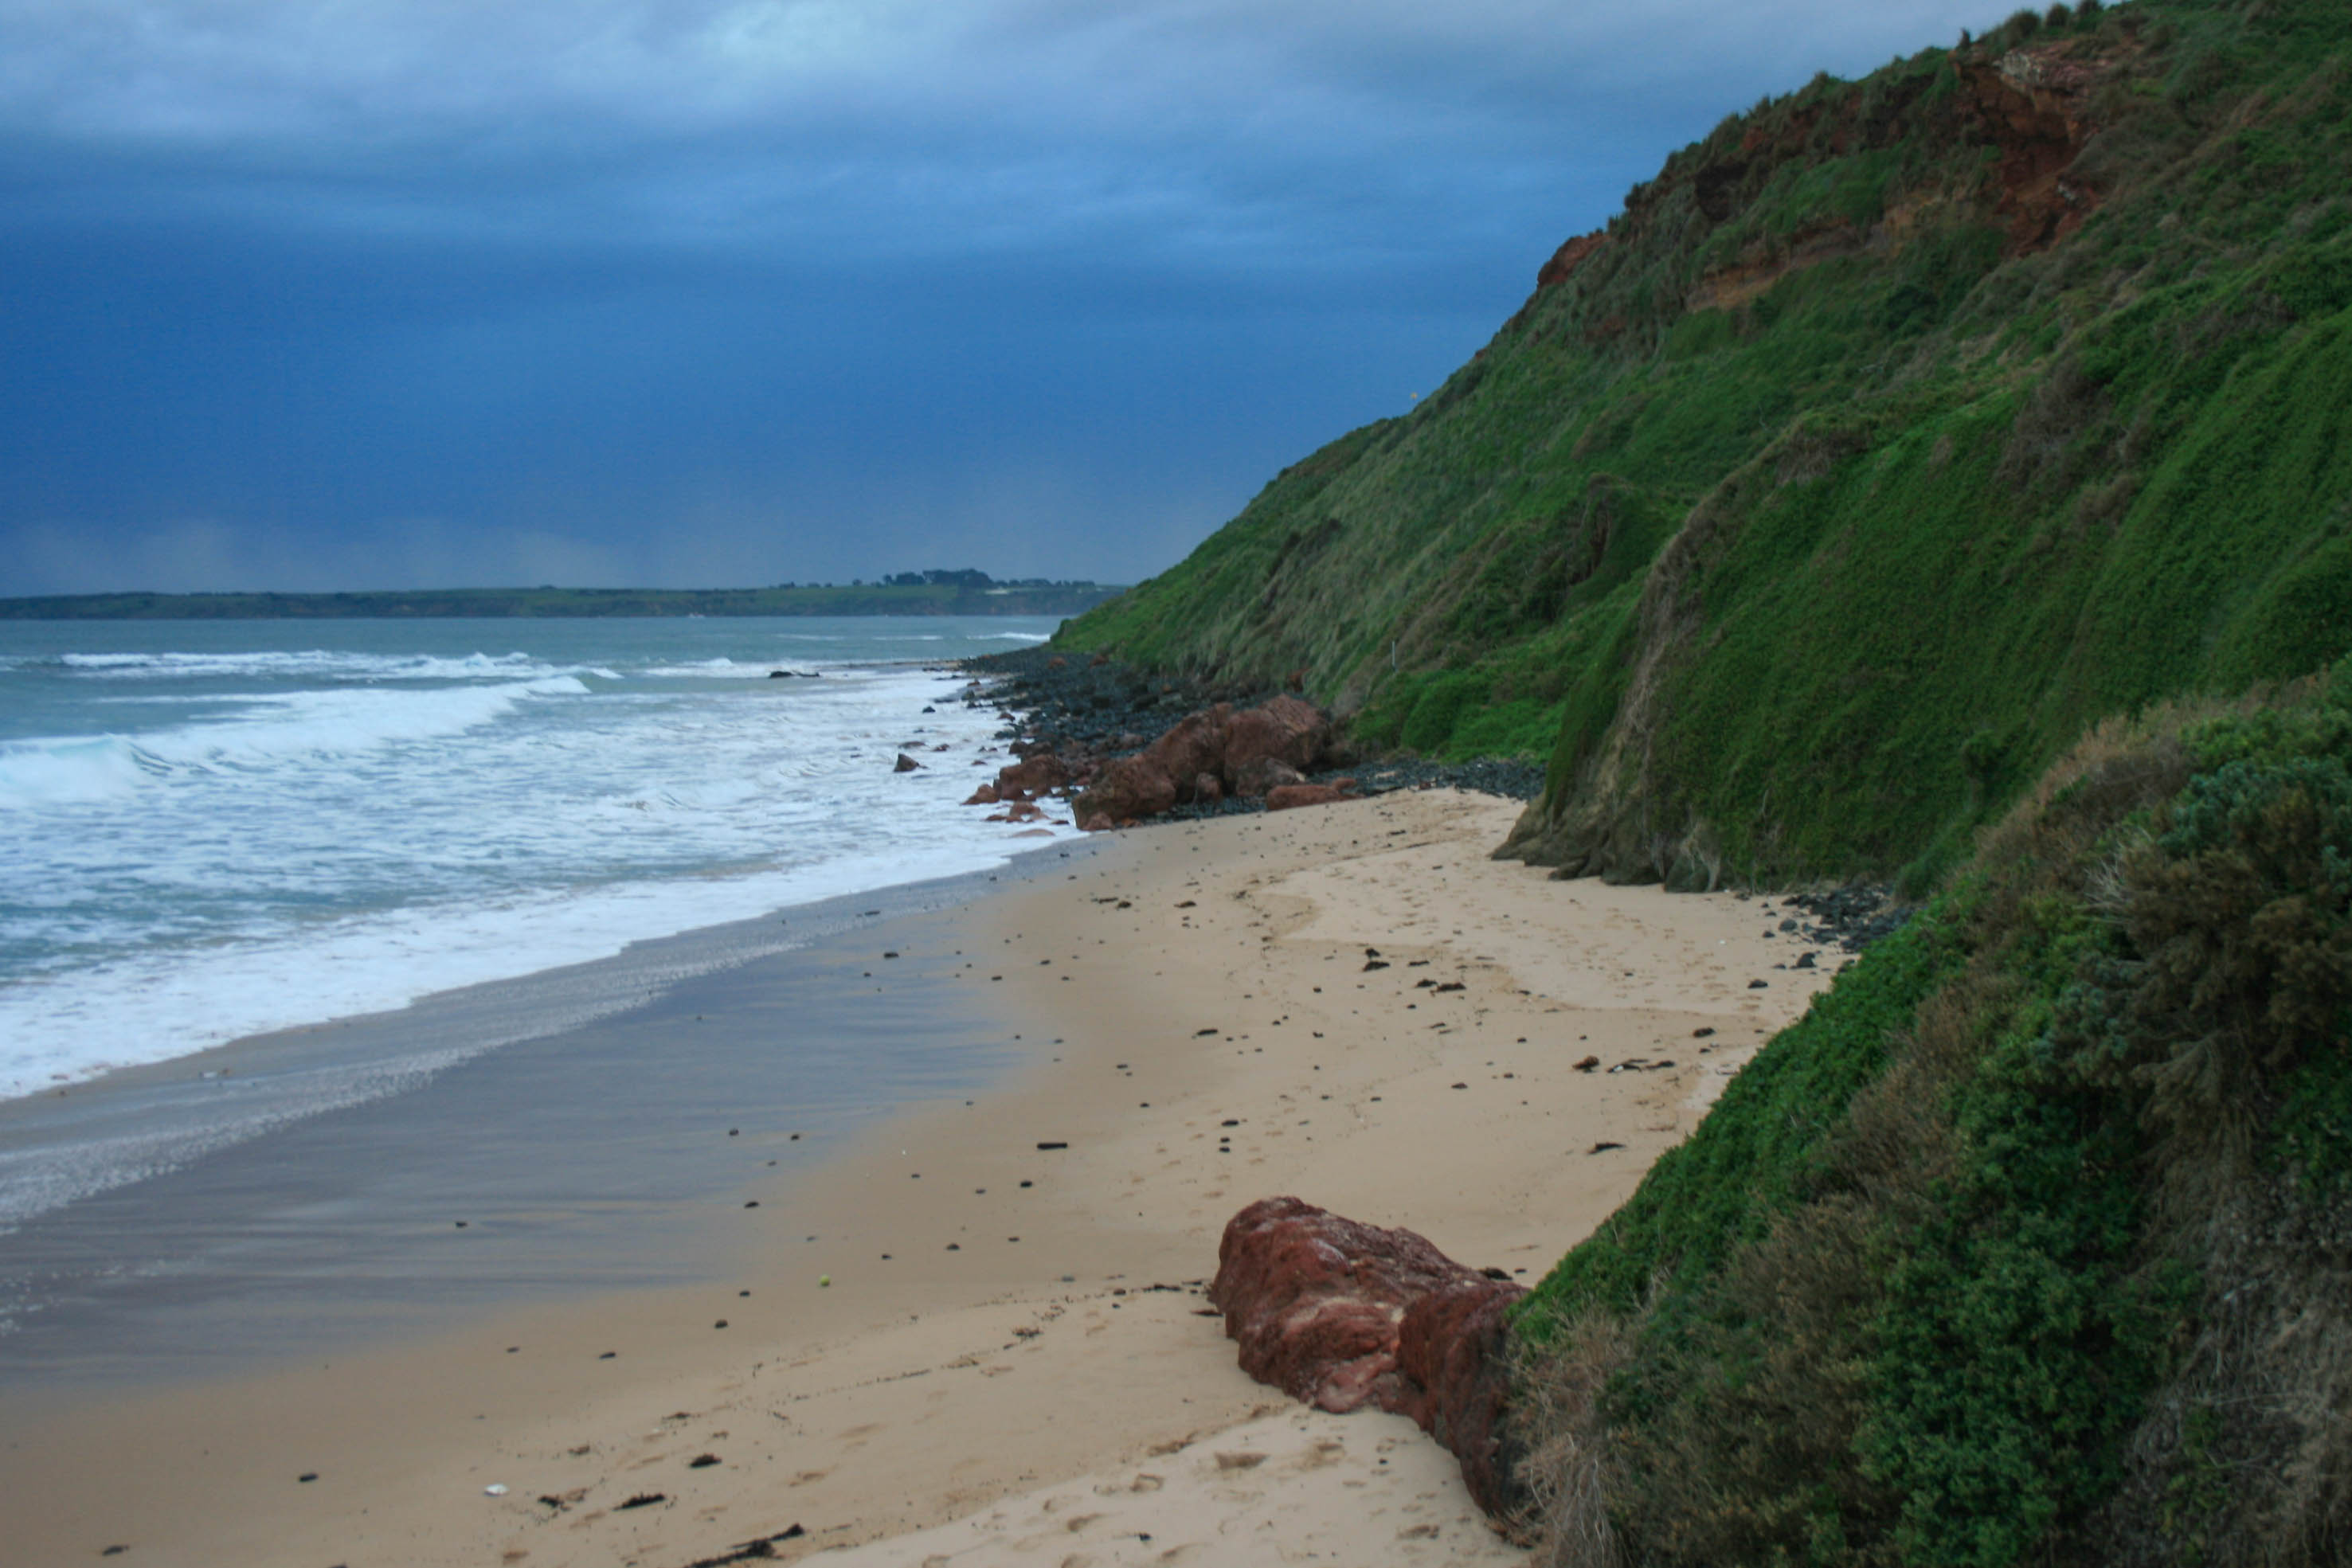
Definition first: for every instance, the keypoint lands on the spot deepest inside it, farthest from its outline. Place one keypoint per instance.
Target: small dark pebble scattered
(643, 1499)
(719, 1324)
(1050, 1145)
(1588, 1065)
(1372, 964)
(753, 1203)
(702, 1461)
(1200, 1033)
(1462, 1086)
(1603, 1147)
(1701, 1033)
(608, 1356)
(308, 1476)
(1758, 984)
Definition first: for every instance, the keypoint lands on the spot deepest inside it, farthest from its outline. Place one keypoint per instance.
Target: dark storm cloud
(376, 294)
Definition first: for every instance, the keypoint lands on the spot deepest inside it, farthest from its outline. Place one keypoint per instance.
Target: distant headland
(935, 592)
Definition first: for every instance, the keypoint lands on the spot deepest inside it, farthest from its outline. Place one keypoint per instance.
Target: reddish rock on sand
(1342, 1314)
(1130, 787)
(1283, 797)
(1196, 745)
(1285, 729)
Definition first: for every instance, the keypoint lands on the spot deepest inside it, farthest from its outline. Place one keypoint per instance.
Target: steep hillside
(1890, 435)
(2031, 1242)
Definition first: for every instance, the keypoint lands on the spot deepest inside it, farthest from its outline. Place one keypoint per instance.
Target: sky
(352, 294)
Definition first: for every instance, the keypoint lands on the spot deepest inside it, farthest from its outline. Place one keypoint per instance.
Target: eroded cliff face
(1783, 514)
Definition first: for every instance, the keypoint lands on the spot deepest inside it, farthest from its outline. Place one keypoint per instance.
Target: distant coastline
(929, 593)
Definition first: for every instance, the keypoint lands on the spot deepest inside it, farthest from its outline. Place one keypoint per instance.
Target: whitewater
(212, 830)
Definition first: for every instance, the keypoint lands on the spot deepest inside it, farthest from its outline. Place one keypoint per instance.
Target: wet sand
(984, 1334)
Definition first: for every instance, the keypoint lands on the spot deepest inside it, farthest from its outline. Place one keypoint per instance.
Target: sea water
(212, 830)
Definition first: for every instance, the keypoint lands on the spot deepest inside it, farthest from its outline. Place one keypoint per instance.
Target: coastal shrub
(2030, 1242)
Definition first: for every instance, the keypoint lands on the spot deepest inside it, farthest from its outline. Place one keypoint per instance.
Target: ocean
(211, 831)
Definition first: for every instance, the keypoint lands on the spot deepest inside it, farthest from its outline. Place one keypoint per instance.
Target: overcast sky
(316, 294)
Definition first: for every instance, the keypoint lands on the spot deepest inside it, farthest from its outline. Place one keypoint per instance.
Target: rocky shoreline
(1095, 732)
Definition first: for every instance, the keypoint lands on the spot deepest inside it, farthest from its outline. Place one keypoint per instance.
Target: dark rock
(983, 796)
(1341, 1314)
(1805, 961)
(1588, 1065)
(905, 763)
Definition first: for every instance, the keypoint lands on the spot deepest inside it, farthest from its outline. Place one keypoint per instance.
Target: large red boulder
(1196, 745)
(1283, 797)
(1128, 789)
(1342, 1314)
(1285, 730)
(1033, 776)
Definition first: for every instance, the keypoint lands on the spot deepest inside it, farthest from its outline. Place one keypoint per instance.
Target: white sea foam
(338, 721)
(338, 838)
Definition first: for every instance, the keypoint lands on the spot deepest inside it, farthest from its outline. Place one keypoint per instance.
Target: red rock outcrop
(1033, 776)
(1283, 797)
(1285, 729)
(1127, 789)
(1207, 756)
(1342, 1314)
(1569, 257)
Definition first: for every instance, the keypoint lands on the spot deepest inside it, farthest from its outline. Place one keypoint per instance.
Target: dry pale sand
(1030, 1374)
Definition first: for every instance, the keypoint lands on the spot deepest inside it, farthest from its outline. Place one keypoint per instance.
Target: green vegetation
(2030, 1242)
(907, 593)
(1892, 435)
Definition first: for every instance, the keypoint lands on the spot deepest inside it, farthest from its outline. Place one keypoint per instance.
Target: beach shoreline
(1202, 1028)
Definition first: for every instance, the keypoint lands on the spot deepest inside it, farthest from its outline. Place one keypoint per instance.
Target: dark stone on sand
(308, 1476)
(1758, 984)
(1342, 1314)
(762, 1549)
(905, 763)
(1372, 964)
(643, 1499)
(1701, 1033)
(1052, 1145)
(1588, 1065)
(719, 1324)
(702, 1461)
(1603, 1148)
(1804, 961)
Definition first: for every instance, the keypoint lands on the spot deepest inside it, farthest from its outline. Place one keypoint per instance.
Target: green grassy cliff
(1889, 437)
(2031, 1242)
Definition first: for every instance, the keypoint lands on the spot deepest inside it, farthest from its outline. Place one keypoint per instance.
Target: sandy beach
(977, 1336)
